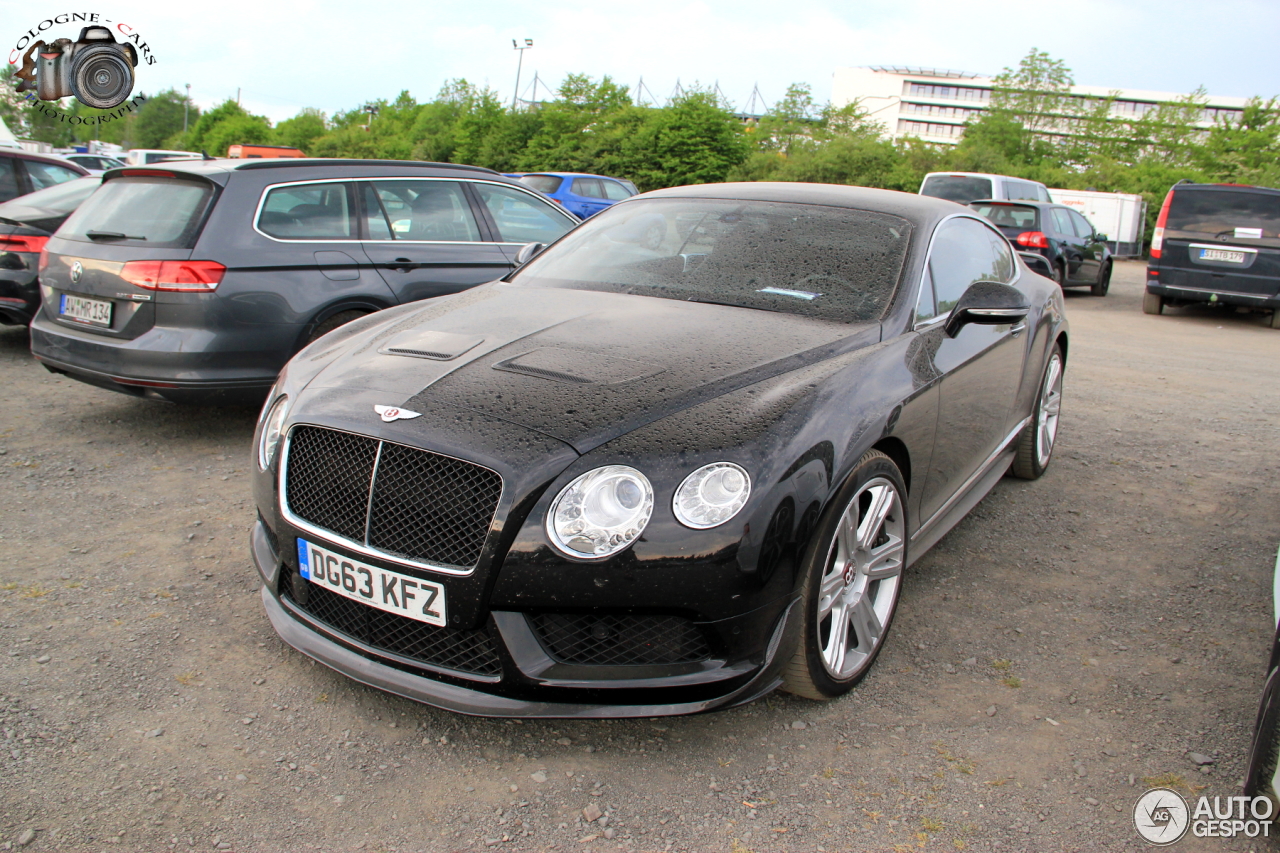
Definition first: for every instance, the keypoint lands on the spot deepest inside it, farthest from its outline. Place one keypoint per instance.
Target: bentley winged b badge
(395, 413)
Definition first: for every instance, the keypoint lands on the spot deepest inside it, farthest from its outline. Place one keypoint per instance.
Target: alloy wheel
(1050, 407)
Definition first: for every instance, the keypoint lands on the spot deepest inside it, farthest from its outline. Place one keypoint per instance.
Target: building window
(949, 93)
(906, 127)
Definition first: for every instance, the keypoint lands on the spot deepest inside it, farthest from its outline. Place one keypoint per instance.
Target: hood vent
(577, 368)
(437, 346)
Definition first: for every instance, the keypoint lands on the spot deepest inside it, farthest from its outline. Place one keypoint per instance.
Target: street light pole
(186, 104)
(528, 43)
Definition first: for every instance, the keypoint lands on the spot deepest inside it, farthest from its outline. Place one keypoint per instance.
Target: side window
(47, 174)
(1083, 228)
(1042, 194)
(375, 218)
(926, 307)
(615, 191)
(428, 211)
(966, 251)
(8, 179)
(307, 212)
(522, 217)
(588, 187)
(1062, 222)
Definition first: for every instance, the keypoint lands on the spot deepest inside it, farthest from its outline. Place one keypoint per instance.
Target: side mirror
(988, 303)
(527, 252)
(1101, 238)
(1037, 263)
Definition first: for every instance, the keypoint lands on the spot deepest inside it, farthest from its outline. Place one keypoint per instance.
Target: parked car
(964, 187)
(95, 163)
(22, 172)
(145, 156)
(679, 458)
(197, 280)
(26, 223)
(1078, 255)
(580, 194)
(1262, 769)
(1217, 244)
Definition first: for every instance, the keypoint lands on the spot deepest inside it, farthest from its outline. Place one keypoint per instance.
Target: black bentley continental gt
(680, 458)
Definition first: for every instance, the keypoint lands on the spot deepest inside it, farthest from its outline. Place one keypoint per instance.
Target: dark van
(1218, 244)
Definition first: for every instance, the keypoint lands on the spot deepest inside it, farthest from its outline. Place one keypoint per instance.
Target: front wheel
(1035, 445)
(852, 577)
(1152, 303)
(327, 326)
(1103, 284)
(1060, 274)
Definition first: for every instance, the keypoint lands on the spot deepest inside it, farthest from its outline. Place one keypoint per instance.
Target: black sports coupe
(678, 459)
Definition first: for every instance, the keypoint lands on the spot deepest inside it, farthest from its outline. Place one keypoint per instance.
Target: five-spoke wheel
(1035, 445)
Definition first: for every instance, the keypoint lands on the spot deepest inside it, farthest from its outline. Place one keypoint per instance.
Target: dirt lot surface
(1072, 640)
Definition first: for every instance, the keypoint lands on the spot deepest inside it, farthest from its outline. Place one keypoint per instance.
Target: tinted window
(1083, 228)
(44, 175)
(966, 251)
(520, 217)
(542, 183)
(588, 187)
(378, 228)
(1062, 222)
(1042, 194)
(1009, 215)
(428, 211)
(825, 262)
(1214, 212)
(307, 212)
(961, 188)
(1021, 190)
(615, 191)
(162, 212)
(8, 179)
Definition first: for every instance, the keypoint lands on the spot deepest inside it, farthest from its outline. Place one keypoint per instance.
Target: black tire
(1060, 274)
(1264, 752)
(861, 591)
(1035, 444)
(1152, 303)
(1103, 284)
(340, 319)
(1275, 319)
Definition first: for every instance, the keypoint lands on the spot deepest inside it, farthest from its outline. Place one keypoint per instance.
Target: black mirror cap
(988, 303)
(527, 252)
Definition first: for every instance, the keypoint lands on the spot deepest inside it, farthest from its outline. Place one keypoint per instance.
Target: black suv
(197, 280)
(1077, 254)
(26, 223)
(1216, 243)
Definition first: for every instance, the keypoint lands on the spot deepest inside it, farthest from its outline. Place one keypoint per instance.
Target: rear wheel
(327, 326)
(1275, 319)
(1060, 274)
(1152, 303)
(853, 574)
(1035, 445)
(1103, 284)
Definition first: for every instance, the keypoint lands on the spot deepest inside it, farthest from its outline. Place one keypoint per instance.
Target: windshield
(831, 263)
(1230, 213)
(961, 188)
(160, 212)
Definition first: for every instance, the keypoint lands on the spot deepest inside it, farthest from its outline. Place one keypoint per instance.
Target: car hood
(579, 366)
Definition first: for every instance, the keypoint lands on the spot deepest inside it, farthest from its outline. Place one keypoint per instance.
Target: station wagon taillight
(190, 276)
(17, 243)
(1157, 236)
(1033, 239)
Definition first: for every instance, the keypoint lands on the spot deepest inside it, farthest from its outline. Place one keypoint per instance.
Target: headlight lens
(711, 495)
(601, 512)
(271, 426)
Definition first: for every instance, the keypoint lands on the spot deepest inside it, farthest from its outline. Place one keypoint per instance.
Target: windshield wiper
(706, 301)
(110, 235)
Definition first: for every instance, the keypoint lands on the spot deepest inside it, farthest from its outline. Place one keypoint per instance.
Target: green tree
(301, 130)
(1037, 93)
(159, 118)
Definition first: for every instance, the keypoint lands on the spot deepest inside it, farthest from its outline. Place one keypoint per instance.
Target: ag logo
(95, 68)
(394, 413)
(1161, 816)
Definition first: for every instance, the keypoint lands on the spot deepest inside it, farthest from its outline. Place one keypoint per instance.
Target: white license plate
(92, 311)
(1222, 255)
(392, 592)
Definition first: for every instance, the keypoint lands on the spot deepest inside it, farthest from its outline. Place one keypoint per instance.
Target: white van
(144, 156)
(964, 187)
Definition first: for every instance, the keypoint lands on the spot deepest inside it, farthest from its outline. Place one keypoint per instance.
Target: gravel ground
(1068, 643)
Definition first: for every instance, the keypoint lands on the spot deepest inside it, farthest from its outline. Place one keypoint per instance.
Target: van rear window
(155, 212)
(542, 183)
(961, 188)
(1220, 212)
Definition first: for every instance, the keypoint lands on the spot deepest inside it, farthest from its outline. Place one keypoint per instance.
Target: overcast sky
(337, 54)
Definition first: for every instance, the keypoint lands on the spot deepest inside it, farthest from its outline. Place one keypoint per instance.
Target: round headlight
(601, 512)
(711, 495)
(271, 426)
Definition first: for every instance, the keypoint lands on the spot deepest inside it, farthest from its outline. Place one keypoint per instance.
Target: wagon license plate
(1222, 255)
(392, 592)
(95, 312)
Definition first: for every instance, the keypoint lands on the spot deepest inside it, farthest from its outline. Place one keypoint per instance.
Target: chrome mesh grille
(411, 503)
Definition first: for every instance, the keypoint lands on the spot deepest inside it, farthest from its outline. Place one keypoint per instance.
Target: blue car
(581, 195)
